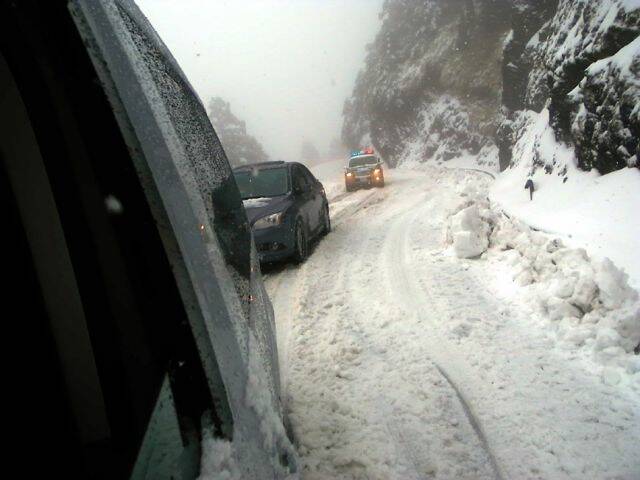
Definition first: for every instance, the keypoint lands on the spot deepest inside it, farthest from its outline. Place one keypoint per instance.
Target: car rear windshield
(266, 182)
(363, 161)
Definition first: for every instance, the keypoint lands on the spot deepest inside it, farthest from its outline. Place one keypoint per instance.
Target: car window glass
(162, 455)
(267, 182)
(363, 161)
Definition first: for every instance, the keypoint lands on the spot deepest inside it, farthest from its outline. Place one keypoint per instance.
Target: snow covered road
(399, 362)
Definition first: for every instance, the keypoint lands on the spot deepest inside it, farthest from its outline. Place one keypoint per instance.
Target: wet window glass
(266, 182)
(363, 161)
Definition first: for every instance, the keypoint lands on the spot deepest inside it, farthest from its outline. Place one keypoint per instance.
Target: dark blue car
(286, 206)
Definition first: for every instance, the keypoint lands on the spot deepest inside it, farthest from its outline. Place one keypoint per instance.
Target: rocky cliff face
(240, 147)
(447, 78)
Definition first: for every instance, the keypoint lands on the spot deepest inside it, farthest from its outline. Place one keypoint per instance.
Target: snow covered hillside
(447, 79)
(430, 336)
(599, 213)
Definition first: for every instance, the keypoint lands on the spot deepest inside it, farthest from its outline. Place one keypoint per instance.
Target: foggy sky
(286, 66)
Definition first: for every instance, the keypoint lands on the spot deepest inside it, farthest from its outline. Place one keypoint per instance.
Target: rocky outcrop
(432, 77)
(240, 147)
(564, 66)
(448, 78)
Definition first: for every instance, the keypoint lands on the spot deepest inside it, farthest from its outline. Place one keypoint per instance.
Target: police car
(364, 169)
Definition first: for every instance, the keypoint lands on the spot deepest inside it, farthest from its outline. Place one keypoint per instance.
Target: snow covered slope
(596, 212)
(449, 79)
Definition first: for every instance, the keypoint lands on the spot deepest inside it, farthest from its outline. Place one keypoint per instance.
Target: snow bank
(588, 301)
(598, 213)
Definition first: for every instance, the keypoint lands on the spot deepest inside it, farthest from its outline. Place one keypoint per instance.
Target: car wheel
(301, 246)
(326, 221)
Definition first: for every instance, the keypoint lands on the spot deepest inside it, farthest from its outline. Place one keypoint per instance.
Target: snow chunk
(612, 282)
(468, 233)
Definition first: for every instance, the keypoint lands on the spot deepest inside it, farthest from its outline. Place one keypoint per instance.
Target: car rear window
(257, 183)
(362, 161)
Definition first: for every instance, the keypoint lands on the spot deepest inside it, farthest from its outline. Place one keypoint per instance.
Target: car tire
(301, 247)
(326, 218)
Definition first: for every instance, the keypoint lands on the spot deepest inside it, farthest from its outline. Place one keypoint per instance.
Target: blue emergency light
(366, 151)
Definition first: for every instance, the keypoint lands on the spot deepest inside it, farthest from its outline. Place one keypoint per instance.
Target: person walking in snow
(530, 186)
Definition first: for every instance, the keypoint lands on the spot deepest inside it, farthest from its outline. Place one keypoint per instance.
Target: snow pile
(588, 301)
(470, 221)
(584, 208)
(467, 232)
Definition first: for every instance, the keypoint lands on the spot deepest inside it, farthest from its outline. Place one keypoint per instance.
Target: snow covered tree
(240, 147)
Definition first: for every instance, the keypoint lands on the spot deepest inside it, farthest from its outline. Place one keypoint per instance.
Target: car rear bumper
(368, 181)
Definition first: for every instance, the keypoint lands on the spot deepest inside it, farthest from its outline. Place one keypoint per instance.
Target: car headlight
(269, 221)
(349, 174)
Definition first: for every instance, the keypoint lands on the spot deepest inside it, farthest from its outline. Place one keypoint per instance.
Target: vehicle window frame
(298, 172)
(311, 179)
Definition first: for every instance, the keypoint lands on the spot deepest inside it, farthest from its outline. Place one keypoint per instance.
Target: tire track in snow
(411, 295)
(292, 276)
(473, 420)
(340, 398)
(349, 210)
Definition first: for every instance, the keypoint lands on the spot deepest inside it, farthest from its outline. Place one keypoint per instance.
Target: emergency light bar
(366, 151)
